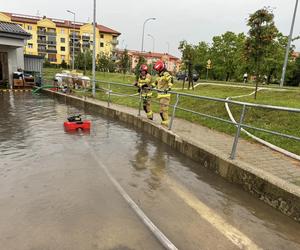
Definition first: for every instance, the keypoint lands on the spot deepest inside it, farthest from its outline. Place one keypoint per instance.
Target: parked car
(183, 76)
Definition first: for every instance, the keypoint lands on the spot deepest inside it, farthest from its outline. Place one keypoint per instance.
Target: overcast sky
(192, 20)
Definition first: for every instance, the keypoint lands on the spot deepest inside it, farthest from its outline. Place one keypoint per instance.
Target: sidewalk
(252, 154)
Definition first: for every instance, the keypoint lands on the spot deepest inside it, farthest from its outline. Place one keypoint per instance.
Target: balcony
(86, 38)
(42, 33)
(77, 44)
(42, 41)
(76, 39)
(52, 50)
(50, 33)
(86, 43)
(51, 42)
(42, 49)
(77, 36)
(114, 42)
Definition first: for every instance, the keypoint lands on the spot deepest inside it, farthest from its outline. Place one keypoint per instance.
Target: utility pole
(94, 51)
(153, 42)
(288, 47)
(73, 52)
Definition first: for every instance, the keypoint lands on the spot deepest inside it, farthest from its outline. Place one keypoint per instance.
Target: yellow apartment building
(53, 38)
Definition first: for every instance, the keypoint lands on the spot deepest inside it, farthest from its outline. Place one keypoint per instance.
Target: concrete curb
(279, 194)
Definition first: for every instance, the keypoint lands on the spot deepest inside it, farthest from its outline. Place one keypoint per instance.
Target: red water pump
(75, 122)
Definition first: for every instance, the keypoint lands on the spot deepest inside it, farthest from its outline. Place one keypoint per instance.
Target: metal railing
(239, 125)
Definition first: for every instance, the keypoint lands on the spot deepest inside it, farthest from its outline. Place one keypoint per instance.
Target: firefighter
(163, 83)
(144, 83)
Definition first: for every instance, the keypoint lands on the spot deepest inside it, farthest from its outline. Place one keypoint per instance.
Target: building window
(63, 48)
(29, 27)
(101, 36)
(101, 45)
(63, 58)
(62, 31)
(63, 40)
(30, 45)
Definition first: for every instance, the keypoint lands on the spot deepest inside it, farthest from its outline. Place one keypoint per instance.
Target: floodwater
(55, 192)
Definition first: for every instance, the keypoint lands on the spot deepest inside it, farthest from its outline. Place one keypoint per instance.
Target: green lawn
(49, 73)
(279, 121)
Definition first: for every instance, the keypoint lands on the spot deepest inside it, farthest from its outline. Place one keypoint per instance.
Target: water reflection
(153, 163)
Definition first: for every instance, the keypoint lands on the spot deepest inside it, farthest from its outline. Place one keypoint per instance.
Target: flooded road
(56, 191)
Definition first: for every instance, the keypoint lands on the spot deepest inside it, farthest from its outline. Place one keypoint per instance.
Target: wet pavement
(55, 194)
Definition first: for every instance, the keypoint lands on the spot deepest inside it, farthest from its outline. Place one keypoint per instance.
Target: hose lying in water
(42, 87)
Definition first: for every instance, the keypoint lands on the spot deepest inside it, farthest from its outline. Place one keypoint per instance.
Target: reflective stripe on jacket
(145, 85)
(164, 81)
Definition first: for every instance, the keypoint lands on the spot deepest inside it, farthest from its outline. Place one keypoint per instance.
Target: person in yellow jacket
(164, 83)
(144, 83)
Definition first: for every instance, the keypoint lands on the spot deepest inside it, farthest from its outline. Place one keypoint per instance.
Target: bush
(63, 64)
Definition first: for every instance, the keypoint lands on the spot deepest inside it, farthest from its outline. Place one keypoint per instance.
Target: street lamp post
(122, 44)
(168, 44)
(94, 50)
(73, 52)
(149, 19)
(288, 47)
(153, 42)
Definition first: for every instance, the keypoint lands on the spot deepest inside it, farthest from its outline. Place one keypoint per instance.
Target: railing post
(140, 103)
(237, 135)
(174, 111)
(108, 96)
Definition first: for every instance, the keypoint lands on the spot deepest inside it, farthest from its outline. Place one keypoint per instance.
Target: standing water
(55, 192)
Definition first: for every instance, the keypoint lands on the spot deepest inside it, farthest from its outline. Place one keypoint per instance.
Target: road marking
(230, 232)
(157, 233)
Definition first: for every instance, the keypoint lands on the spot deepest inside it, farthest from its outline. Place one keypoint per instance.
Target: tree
(47, 63)
(226, 53)
(124, 61)
(102, 62)
(79, 60)
(294, 79)
(188, 58)
(202, 54)
(105, 63)
(261, 35)
(63, 64)
(84, 60)
(272, 62)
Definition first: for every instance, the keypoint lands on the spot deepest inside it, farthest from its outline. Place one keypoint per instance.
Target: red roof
(151, 54)
(296, 54)
(105, 29)
(59, 22)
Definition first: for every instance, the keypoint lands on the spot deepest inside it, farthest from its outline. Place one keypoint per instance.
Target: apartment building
(295, 55)
(172, 62)
(54, 38)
